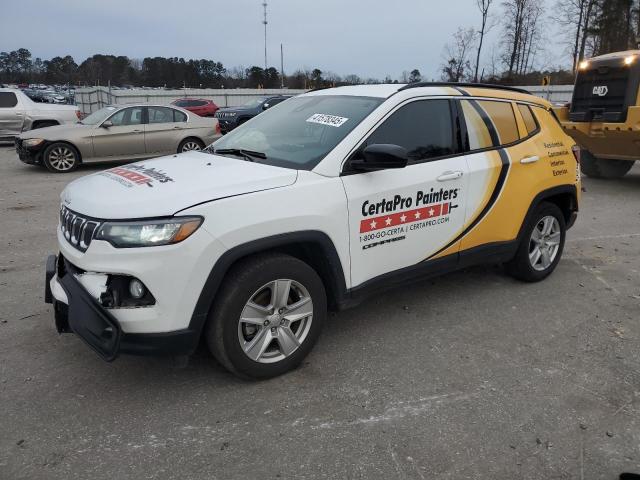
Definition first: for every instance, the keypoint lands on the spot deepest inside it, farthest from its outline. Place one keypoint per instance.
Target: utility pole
(281, 67)
(264, 5)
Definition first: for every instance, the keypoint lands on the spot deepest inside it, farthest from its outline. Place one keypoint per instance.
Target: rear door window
(489, 123)
(8, 100)
(160, 115)
(423, 128)
(178, 116)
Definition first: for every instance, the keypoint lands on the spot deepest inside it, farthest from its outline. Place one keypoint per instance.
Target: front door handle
(532, 159)
(449, 176)
(137, 131)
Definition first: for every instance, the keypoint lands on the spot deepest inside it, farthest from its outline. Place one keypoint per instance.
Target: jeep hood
(167, 185)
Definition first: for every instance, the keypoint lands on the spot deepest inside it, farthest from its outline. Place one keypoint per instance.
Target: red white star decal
(409, 216)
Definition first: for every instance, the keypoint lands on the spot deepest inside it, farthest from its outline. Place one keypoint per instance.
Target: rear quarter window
(8, 100)
(529, 120)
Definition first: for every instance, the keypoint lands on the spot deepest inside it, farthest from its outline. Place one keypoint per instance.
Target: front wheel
(267, 317)
(61, 158)
(190, 144)
(541, 246)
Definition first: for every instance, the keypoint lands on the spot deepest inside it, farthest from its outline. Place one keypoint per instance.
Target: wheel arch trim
(336, 290)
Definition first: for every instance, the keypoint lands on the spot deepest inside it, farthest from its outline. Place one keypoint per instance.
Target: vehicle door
(11, 114)
(500, 187)
(403, 217)
(162, 133)
(121, 135)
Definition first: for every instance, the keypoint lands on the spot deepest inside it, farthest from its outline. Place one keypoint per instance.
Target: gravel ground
(471, 375)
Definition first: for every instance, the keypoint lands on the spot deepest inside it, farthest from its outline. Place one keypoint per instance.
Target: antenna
(264, 5)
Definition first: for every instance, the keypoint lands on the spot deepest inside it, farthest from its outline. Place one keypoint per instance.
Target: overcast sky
(366, 37)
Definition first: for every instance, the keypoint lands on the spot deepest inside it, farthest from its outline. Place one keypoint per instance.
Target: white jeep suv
(310, 206)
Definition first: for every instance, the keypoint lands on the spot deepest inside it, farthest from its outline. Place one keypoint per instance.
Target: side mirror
(381, 156)
(265, 106)
(107, 124)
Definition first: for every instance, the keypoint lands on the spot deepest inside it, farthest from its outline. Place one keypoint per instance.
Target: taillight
(576, 153)
(79, 114)
(218, 129)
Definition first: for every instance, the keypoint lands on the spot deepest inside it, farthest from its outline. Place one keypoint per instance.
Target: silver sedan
(122, 132)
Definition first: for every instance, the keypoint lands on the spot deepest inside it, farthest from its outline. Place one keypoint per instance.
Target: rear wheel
(190, 144)
(61, 158)
(267, 317)
(601, 168)
(541, 246)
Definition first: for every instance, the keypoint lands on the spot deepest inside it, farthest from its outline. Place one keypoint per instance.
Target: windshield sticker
(132, 175)
(324, 119)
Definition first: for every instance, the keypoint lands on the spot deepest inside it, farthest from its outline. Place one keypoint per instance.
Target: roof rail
(464, 84)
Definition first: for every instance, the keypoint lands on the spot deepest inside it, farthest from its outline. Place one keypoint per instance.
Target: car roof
(434, 89)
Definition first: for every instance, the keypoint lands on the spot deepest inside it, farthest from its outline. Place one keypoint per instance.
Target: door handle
(449, 176)
(532, 159)
(137, 131)
(177, 128)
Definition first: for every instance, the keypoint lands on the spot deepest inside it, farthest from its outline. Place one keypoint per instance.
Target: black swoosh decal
(504, 170)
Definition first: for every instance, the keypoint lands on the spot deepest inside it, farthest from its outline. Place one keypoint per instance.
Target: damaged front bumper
(78, 311)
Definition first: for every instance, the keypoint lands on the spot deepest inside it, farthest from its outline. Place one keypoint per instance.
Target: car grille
(78, 230)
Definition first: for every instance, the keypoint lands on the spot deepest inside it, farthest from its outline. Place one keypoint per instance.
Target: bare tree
(575, 18)
(485, 27)
(522, 34)
(457, 66)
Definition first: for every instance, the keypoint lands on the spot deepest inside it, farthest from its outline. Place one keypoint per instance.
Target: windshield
(254, 102)
(98, 116)
(299, 133)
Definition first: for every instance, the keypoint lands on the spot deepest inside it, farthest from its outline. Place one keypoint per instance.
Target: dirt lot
(472, 375)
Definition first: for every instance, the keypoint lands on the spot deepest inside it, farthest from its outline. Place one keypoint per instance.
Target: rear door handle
(449, 176)
(177, 128)
(532, 159)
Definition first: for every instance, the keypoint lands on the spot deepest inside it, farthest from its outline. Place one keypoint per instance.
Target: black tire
(600, 168)
(190, 141)
(521, 266)
(48, 123)
(52, 154)
(240, 285)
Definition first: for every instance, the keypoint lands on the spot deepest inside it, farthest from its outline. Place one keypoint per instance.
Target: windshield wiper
(249, 155)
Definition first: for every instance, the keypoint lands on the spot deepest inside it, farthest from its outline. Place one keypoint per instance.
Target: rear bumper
(76, 311)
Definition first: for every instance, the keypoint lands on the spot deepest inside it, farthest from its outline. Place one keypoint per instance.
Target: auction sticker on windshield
(324, 119)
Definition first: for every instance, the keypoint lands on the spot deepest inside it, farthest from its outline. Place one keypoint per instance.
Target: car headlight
(147, 233)
(32, 142)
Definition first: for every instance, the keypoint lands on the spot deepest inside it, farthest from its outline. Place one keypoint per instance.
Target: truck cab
(604, 114)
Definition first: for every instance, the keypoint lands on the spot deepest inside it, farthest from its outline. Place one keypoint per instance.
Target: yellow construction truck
(604, 114)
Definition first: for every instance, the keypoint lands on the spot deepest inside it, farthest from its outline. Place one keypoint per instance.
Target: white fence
(94, 98)
(554, 93)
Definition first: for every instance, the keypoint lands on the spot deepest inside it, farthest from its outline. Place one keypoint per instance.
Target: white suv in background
(19, 113)
(312, 205)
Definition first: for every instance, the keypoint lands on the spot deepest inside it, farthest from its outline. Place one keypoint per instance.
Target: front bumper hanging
(83, 315)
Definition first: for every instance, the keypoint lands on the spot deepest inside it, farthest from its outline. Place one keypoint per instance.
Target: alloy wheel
(544, 243)
(189, 146)
(275, 321)
(62, 158)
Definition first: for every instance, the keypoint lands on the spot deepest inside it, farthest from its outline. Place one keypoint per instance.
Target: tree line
(584, 28)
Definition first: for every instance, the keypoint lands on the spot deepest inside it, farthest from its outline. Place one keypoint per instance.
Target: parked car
(199, 106)
(123, 132)
(231, 117)
(331, 196)
(18, 113)
(604, 113)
